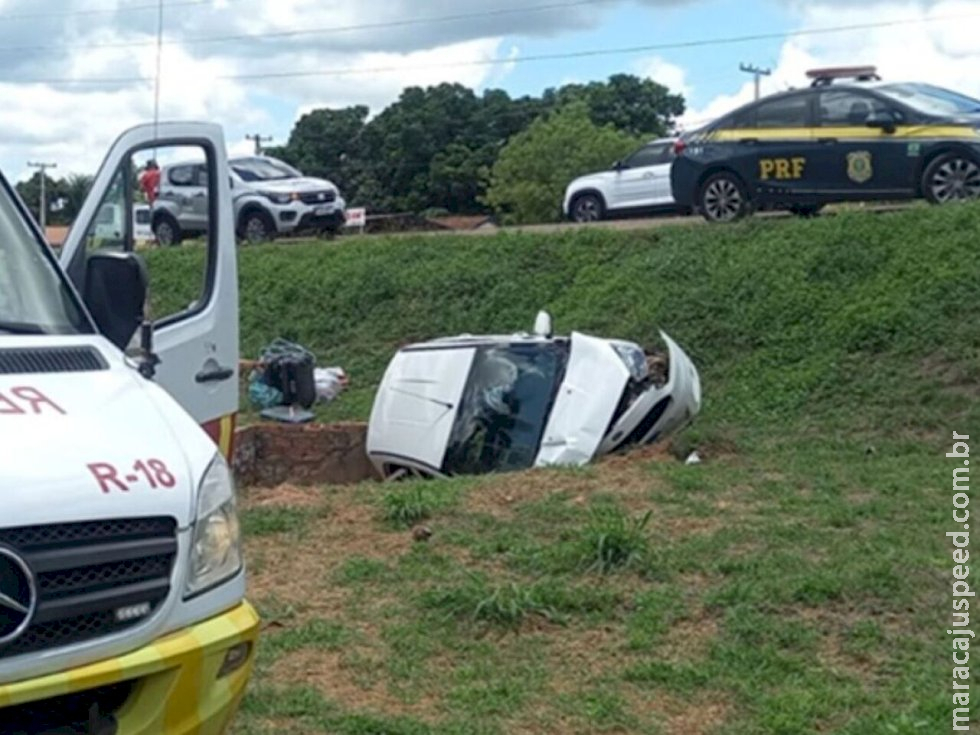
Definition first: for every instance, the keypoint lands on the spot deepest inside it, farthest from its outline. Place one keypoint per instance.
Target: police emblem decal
(859, 166)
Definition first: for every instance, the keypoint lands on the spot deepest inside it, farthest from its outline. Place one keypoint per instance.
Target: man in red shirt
(150, 181)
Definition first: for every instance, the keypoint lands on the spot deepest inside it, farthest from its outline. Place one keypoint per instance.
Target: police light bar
(828, 74)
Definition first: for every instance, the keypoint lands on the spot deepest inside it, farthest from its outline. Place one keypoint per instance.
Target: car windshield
(263, 169)
(34, 299)
(505, 407)
(931, 100)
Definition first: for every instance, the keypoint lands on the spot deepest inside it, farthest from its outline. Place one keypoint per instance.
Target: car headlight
(277, 198)
(634, 359)
(216, 553)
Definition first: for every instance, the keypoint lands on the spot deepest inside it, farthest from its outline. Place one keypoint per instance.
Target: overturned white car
(476, 404)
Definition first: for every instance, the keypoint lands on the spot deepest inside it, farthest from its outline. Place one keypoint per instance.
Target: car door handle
(826, 140)
(750, 141)
(214, 374)
(649, 175)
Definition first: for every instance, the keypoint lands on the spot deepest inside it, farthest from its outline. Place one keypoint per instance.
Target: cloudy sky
(76, 73)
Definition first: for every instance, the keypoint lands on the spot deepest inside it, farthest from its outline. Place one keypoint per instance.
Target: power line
(494, 61)
(293, 33)
(101, 11)
(626, 50)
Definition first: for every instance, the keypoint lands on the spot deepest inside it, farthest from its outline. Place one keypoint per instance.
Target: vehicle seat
(859, 113)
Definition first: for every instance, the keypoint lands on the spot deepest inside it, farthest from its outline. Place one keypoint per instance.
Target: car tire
(166, 230)
(257, 226)
(587, 208)
(724, 198)
(951, 177)
(806, 210)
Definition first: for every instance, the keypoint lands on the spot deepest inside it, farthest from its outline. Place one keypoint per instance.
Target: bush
(528, 181)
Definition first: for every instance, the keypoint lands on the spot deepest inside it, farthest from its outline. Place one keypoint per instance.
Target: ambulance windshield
(34, 299)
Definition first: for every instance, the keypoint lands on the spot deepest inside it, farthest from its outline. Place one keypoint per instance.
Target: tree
(433, 147)
(324, 143)
(528, 180)
(628, 103)
(69, 192)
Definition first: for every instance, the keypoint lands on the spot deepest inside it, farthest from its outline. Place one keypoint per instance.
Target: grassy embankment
(796, 582)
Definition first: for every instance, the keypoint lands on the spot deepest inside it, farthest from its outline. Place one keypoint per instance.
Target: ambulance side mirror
(116, 286)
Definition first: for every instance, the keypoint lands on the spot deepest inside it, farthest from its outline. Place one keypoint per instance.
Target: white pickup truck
(122, 582)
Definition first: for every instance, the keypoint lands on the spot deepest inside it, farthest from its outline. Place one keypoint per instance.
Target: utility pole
(756, 72)
(43, 168)
(258, 140)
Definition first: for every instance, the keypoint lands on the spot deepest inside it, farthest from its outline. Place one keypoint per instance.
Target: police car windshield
(33, 297)
(263, 169)
(931, 100)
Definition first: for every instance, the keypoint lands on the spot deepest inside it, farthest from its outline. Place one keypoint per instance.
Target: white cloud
(941, 47)
(670, 75)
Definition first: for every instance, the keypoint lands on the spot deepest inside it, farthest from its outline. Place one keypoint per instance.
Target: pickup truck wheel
(587, 208)
(258, 227)
(951, 177)
(167, 231)
(723, 198)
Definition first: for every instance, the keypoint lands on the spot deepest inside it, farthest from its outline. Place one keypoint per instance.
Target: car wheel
(587, 208)
(806, 210)
(167, 231)
(257, 227)
(951, 177)
(724, 198)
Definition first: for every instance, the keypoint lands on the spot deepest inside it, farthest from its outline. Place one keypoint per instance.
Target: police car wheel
(587, 208)
(723, 198)
(951, 177)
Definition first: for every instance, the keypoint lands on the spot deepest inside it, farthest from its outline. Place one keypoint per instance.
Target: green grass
(795, 582)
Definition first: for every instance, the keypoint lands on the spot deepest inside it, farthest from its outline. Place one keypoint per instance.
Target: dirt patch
(950, 375)
(332, 675)
(697, 718)
(270, 454)
(285, 495)
(301, 574)
(688, 640)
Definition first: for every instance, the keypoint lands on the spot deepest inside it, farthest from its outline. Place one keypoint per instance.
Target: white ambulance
(122, 583)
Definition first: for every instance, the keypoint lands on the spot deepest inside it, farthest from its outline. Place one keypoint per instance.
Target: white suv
(637, 183)
(270, 198)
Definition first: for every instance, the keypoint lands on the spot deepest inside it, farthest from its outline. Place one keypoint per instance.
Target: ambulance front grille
(92, 579)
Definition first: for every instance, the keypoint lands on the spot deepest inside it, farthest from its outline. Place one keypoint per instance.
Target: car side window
(649, 155)
(181, 176)
(847, 107)
(784, 112)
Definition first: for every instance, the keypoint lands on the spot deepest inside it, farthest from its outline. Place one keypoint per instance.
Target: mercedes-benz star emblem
(18, 595)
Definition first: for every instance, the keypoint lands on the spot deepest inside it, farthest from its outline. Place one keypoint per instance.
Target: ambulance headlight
(216, 554)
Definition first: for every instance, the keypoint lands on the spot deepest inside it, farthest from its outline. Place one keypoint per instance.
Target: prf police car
(848, 136)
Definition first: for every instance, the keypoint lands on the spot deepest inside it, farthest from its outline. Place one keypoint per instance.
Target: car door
(775, 147)
(641, 178)
(856, 160)
(193, 310)
(188, 196)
